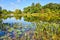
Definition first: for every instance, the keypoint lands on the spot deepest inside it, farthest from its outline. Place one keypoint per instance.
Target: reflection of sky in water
(14, 20)
(26, 25)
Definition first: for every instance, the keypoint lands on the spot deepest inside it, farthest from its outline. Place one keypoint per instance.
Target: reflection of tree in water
(0, 23)
(31, 19)
(0, 18)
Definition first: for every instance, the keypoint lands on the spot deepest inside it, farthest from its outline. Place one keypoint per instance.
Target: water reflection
(13, 20)
(20, 26)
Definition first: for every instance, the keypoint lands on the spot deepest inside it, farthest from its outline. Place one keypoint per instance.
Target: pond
(18, 26)
(28, 28)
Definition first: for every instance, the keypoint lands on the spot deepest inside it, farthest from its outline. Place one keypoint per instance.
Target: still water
(20, 26)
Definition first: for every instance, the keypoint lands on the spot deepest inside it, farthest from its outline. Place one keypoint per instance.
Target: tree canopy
(37, 8)
(0, 10)
(34, 8)
(17, 11)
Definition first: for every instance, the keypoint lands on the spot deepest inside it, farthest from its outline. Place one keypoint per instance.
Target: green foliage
(17, 11)
(0, 12)
(4, 11)
(47, 30)
(53, 7)
(34, 8)
(37, 8)
(0, 8)
(36, 17)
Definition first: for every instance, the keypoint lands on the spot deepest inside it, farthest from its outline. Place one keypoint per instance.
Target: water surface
(17, 25)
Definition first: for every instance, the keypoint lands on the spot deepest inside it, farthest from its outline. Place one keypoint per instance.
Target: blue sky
(20, 4)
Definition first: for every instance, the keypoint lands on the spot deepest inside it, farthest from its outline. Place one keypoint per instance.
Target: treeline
(49, 12)
(36, 8)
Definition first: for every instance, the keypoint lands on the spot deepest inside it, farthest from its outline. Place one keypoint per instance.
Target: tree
(38, 7)
(27, 9)
(52, 6)
(4, 11)
(17, 11)
(34, 8)
(0, 17)
(0, 10)
(10, 11)
(33, 4)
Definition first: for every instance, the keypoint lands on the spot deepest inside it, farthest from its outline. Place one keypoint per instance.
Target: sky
(20, 4)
